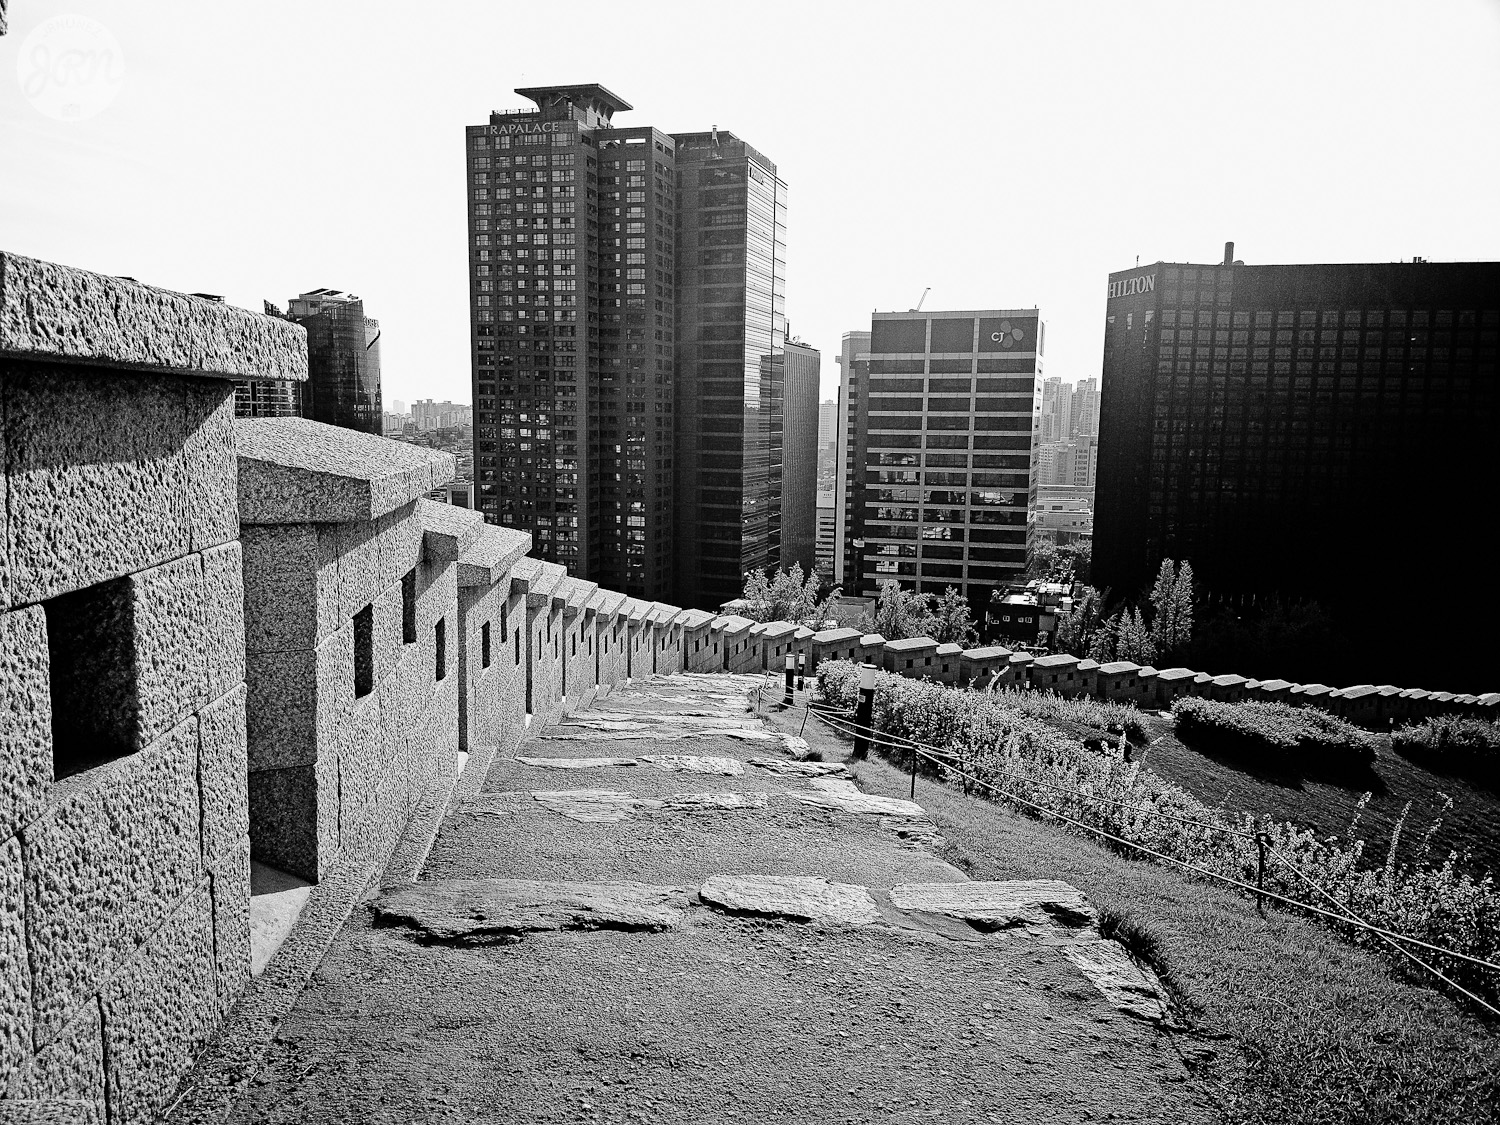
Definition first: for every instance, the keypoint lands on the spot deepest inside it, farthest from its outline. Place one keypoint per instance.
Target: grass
(1288, 1022)
(1453, 744)
(1271, 728)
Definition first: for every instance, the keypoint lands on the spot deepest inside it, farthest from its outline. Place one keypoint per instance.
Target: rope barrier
(1346, 917)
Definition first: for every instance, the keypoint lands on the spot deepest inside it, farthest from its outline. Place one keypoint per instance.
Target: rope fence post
(802, 671)
(864, 714)
(913, 793)
(791, 671)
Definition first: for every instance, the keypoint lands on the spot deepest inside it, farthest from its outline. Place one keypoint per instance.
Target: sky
(1006, 154)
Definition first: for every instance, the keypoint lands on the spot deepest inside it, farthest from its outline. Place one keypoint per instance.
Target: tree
(1106, 641)
(1133, 640)
(901, 613)
(1041, 552)
(1082, 553)
(787, 595)
(952, 621)
(1172, 606)
(1077, 629)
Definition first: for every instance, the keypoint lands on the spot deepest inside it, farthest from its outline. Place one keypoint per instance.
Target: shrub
(1020, 759)
(1275, 727)
(1450, 742)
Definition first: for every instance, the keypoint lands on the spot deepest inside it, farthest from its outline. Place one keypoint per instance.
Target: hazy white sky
(1006, 154)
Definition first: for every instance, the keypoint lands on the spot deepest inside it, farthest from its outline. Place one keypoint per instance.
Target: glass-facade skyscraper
(731, 331)
(343, 360)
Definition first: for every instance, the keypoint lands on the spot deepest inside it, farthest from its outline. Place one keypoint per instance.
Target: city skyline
(123, 194)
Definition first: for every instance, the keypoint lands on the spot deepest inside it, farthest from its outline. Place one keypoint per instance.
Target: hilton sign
(1130, 286)
(519, 127)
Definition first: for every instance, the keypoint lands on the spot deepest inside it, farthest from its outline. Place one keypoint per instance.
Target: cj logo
(1007, 337)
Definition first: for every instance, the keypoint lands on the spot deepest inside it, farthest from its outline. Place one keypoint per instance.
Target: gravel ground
(723, 1018)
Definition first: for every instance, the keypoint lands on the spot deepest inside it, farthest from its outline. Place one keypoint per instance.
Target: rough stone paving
(706, 930)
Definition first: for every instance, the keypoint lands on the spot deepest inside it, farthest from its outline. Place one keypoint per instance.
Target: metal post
(1261, 840)
(791, 671)
(864, 714)
(913, 793)
(802, 671)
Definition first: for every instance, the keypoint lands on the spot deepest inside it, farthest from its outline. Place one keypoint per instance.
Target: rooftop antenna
(924, 297)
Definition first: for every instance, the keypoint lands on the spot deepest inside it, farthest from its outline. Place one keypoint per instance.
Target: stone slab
(294, 817)
(448, 532)
(800, 769)
(159, 1011)
(688, 763)
(117, 847)
(210, 465)
(475, 911)
(844, 796)
(64, 1082)
(490, 557)
(222, 769)
(223, 620)
(610, 806)
(576, 763)
(59, 313)
(229, 886)
(1026, 902)
(1130, 988)
(295, 470)
(15, 977)
(25, 717)
(797, 897)
(89, 503)
(171, 642)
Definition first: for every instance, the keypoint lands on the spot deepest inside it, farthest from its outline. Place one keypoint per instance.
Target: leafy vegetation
(1269, 727)
(902, 613)
(1452, 743)
(788, 595)
(1037, 767)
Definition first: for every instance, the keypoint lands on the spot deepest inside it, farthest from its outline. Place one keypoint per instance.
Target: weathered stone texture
(209, 463)
(91, 502)
(54, 312)
(222, 769)
(25, 717)
(15, 977)
(282, 708)
(118, 846)
(229, 885)
(473, 911)
(65, 1081)
(223, 620)
(295, 470)
(168, 626)
(448, 532)
(284, 579)
(159, 1010)
(294, 817)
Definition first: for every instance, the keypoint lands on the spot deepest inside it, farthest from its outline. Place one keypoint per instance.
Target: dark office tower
(343, 360)
(731, 269)
(1310, 431)
(799, 472)
(952, 405)
(571, 290)
(849, 483)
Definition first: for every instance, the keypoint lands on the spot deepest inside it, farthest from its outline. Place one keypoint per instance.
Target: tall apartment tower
(799, 474)
(951, 408)
(572, 291)
(1085, 415)
(731, 329)
(1057, 410)
(1302, 431)
(848, 494)
(343, 367)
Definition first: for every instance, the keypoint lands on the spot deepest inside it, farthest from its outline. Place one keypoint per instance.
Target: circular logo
(1007, 337)
(70, 67)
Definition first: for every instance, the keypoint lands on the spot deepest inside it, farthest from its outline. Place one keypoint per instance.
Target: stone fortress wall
(227, 639)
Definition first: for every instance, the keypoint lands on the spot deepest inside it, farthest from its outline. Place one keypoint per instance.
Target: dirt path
(681, 934)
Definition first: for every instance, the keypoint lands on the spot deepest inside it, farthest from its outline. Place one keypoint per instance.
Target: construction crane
(924, 297)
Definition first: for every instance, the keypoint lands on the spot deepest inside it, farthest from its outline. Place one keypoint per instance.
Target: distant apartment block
(343, 358)
(429, 415)
(827, 536)
(799, 474)
(945, 437)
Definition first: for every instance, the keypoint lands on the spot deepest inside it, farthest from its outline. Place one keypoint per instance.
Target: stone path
(662, 910)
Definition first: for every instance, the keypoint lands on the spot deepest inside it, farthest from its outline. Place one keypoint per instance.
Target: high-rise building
(731, 327)
(848, 494)
(827, 535)
(799, 474)
(1085, 412)
(429, 415)
(1056, 412)
(343, 360)
(828, 422)
(953, 403)
(571, 287)
(1278, 425)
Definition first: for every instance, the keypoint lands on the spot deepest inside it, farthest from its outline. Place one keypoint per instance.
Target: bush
(1032, 765)
(1452, 743)
(1275, 727)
